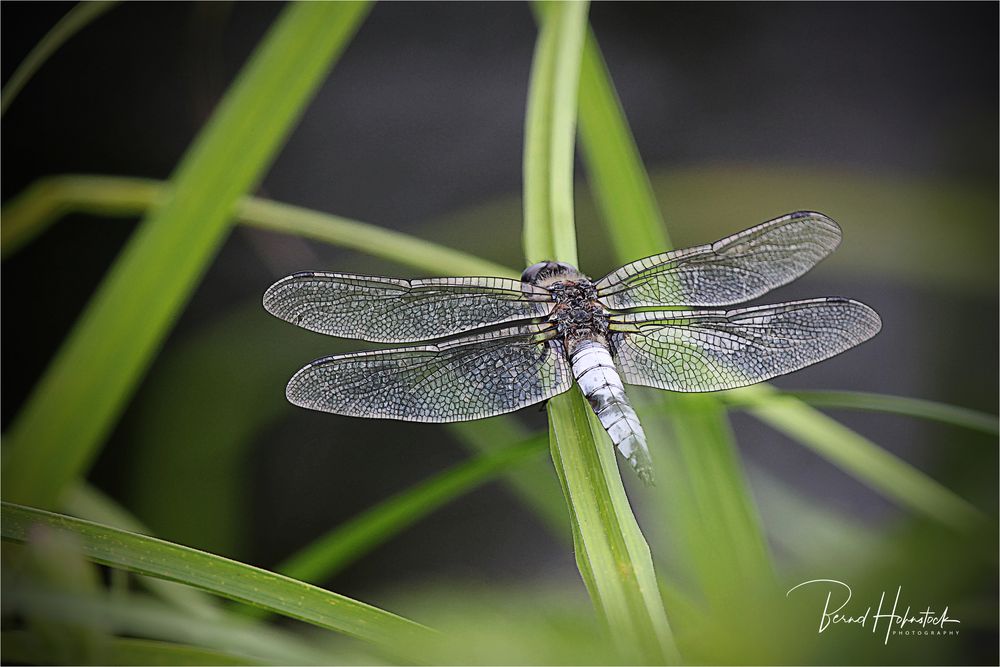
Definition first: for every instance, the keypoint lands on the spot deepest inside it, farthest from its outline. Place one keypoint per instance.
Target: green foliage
(865, 460)
(74, 20)
(236, 581)
(611, 552)
(348, 542)
(23, 647)
(715, 564)
(57, 433)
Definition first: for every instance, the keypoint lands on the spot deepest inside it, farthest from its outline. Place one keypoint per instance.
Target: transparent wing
(712, 350)
(390, 310)
(738, 268)
(468, 378)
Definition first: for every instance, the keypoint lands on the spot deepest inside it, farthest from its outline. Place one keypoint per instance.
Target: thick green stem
(611, 552)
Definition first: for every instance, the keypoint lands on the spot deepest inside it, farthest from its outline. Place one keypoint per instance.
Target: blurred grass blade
(350, 541)
(533, 482)
(900, 405)
(137, 616)
(55, 559)
(829, 438)
(86, 502)
(618, 180)
(709, 524)
(236, 581)
(863, 459)
(807, 530)
(611, 552)
(25, 648)
(59, 430)
(74, 20)
(712, 524)
(49, 198)
(345, 544)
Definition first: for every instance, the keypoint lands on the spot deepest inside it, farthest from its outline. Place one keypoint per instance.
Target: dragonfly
(485, 346)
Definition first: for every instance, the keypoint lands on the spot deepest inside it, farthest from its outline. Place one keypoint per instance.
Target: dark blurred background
(886, 112)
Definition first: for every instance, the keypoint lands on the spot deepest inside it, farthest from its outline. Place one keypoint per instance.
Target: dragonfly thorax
(578, 315)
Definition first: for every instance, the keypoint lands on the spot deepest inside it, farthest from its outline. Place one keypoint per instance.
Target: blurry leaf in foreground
(243, 583)
(77, 18)
(25, 648)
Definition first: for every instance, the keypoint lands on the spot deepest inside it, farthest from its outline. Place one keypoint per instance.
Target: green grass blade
(236, 581)
(619, 182)
(25, 648)
(713, 530)
(86, 502)
(348, 542)
(708, 522)
(59, 430)
(862, 458)
(138, 616)
(49, 198)
(807, 530)
(901, 405)
(75, 19)
(55, 560)
(533, 482)
(549, 136)
(611, 552)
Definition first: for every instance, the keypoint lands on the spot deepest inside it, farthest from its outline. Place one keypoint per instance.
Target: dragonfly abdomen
(595, 371)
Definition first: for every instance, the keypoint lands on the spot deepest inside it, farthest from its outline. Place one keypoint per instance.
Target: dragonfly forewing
(392, 310)
(733, 270)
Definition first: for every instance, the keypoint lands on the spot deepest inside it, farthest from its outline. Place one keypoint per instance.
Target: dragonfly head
(545, 273)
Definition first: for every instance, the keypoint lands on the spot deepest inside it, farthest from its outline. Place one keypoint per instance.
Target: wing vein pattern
(710, 350)
(472, 377)
(738, 268)
(391, 310)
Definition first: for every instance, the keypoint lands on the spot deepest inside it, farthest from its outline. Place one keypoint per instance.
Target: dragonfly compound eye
(530, 274)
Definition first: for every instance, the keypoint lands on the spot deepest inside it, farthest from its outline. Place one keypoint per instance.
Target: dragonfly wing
(391, 310)
(713, 350)
(738, 268)
(468, 378)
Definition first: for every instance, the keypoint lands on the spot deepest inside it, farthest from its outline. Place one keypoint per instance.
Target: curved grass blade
(139, 616)
(533, 481)
(714, 530)
(900, 405)
(350, 541)
(236, 581)
(611, 552)
(75, 20)
(47, 199)
(86, 502)
(619, 182)
(23, 647)
(826, 436)
(57, 433)
(863, 459)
